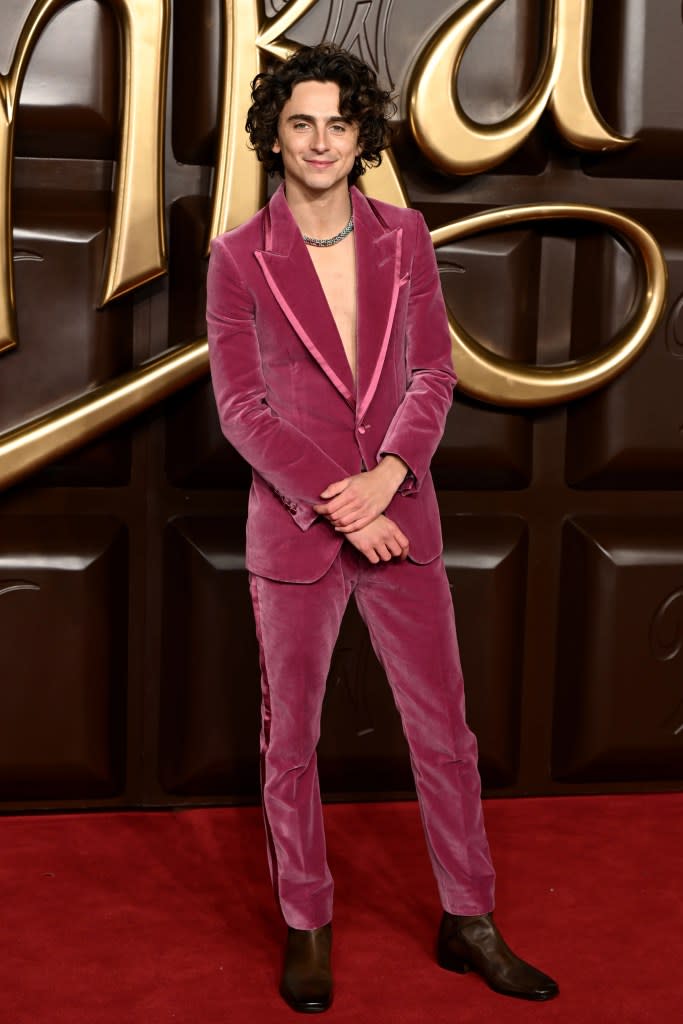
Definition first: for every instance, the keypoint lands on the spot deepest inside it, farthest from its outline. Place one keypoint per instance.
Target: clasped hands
(355, 505)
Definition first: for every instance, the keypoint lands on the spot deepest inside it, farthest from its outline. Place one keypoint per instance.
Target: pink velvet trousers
(408, 611)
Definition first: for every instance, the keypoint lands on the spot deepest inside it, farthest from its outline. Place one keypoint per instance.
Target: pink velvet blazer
(284, 389)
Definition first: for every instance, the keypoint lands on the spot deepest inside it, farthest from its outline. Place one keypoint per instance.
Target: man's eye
(338, 128)
(300, 124)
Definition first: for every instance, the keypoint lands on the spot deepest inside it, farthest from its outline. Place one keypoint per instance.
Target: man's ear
(275, 148)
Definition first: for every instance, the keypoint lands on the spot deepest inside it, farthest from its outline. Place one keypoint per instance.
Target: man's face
(317, 144)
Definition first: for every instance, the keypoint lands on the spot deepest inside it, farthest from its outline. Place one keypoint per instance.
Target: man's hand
(381, 541)
(356, 501)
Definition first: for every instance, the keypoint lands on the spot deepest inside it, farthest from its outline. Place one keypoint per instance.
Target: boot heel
(450, 962)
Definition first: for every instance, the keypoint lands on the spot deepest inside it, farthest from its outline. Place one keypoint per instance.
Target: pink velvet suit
(288, 403)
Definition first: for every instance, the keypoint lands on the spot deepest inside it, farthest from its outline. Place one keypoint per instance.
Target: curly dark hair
(360, 98)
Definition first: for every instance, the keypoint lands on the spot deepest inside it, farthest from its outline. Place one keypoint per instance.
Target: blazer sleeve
(293, 464)
(418, 423)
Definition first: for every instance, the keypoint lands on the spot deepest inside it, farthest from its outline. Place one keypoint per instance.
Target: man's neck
(320, 214)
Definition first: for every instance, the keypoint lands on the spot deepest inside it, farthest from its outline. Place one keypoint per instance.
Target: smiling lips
(320, 163)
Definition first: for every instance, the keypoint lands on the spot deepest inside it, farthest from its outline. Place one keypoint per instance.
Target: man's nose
(319, 140)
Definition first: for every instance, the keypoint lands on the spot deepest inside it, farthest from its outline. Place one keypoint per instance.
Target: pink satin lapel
(302, 300)
(378, 263)
(291, 277)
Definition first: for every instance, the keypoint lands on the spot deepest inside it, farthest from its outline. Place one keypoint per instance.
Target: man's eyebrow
(309, 117)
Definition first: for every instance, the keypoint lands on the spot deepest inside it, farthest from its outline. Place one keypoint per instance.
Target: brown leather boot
(474, 943)
(307, 975)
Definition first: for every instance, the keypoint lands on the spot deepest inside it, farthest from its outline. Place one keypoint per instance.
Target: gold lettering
(26, 448)
(239, 192)
(239, 186)
(138, 248)
(572, 101)
(383, 182)
(270, 38)
(137, 252)
(503, 382)
(455, 144)
(239, 182)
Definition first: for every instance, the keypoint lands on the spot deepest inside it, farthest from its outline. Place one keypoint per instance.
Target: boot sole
(458, 966)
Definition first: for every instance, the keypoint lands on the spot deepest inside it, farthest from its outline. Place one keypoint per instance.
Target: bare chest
(336, 269)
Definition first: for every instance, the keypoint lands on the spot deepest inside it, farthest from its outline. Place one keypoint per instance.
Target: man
(331, 365)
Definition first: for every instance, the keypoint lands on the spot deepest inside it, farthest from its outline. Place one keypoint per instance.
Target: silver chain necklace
(323, 243)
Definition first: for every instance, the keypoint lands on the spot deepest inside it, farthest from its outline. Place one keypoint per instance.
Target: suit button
(363, 427)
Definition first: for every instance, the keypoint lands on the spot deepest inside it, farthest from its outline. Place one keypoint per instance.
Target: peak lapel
(378, 265)
(292, 278)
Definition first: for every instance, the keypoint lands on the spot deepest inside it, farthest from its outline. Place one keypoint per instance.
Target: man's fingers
(330, 508)
(336, 488)
(400, 544)
(402, 539)
(377, 552)
(356, 524)
(347, 514)
(339, 506)
(378, 538)
(395, 547)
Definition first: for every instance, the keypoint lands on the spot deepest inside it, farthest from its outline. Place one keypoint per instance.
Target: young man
(331, 365)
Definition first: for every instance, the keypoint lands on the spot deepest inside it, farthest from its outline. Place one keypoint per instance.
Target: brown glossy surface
(636, 73)
(618, 709)
(63, 584)
(66, 344)
(70, 94)
(127, 655)
(196, 45)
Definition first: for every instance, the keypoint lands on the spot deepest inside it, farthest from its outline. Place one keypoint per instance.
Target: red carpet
(135, 918)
